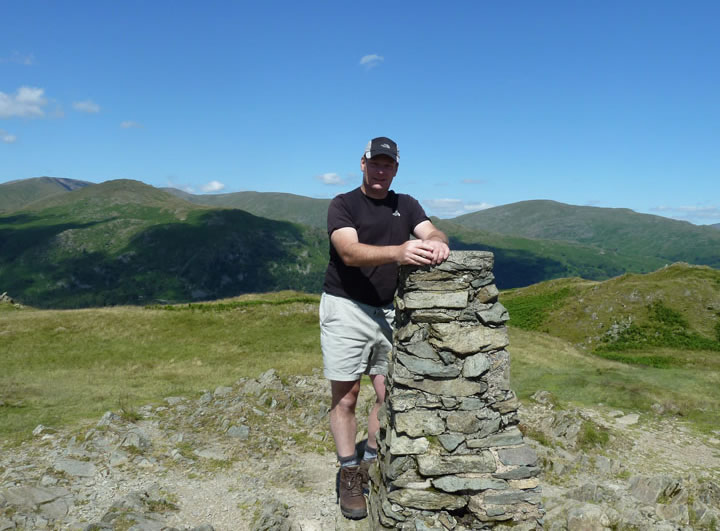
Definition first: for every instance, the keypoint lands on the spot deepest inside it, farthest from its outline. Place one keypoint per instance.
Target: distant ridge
(271, 205)
(716, 226)
(16, 194)
(615, 230)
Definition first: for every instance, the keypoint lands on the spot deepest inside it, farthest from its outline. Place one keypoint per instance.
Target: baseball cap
(382, 145)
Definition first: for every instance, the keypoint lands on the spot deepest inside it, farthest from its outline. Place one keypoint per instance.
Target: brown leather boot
(352, 501)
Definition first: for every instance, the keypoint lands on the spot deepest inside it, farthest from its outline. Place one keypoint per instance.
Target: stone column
(451, 455)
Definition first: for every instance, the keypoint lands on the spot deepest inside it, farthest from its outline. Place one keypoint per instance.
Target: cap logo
(387, 146)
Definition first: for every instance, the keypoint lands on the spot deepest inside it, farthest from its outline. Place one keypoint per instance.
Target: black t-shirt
(388, 221)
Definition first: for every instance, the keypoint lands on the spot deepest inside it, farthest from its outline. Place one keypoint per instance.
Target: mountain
(17, 194)
(716, 226)
(616, 230)
(124, 242)
(522, 261)
(271, 205)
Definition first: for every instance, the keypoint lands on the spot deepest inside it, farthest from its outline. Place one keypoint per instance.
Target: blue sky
(611, 104)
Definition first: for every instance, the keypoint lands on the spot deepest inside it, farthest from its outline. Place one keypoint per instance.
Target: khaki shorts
(356, 338)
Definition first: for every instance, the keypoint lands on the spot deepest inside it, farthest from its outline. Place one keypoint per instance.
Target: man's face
(378, 174)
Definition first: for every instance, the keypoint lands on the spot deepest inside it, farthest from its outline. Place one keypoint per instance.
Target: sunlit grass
(60, 366)
(690, 387)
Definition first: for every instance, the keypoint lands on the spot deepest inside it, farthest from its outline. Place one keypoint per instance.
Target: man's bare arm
(356, 254)
(435, 239)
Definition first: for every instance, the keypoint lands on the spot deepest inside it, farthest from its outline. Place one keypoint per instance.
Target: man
(369, 230)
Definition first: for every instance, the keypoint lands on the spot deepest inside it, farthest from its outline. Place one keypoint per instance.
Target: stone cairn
(451, 455)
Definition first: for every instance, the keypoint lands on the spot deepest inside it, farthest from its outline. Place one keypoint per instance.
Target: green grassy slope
(523, 261)
(611, 229)
(123, 242)
(271, 205)
(646, 339)
(17, 194)
(63, 366)
(675, 307)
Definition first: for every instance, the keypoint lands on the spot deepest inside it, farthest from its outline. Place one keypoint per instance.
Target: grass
(63, 366)
(691, 385)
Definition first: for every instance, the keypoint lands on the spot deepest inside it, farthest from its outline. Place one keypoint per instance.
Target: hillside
(610, 229)
(271, 205)
(522, 261)
(677, 306)
(17, 194)
(124, 242)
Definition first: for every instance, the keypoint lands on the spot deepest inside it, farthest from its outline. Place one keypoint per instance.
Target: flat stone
(628, 420)
(465, 340)
(32, 496)
(416, 300)
(418, 422)
(524, 484)
(211, 453)
(521, 472)
(421, 349)
(450, 441)
(510, 437)
(405, 400)
(137, 438)
(426, 500)
(472, 404)
(55, 509)
(427, 367)
(487, 427)
(475, 365)
(434, 316)
(460, 483)
(463, 422)
(511, 496)
(487, 294)
(523, 456)
(174, 400)
(397, 466)
(507, 406)
(457, 387)
(496, 315)
(468, 260)
(401, 445)
(441, 465)
(407, 332)
(239, 432)
(73, 467)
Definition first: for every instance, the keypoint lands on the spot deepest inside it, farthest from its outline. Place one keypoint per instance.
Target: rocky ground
(257, 456)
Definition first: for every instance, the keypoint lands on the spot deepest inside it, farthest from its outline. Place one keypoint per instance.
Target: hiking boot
(352, 501)
(365, 465)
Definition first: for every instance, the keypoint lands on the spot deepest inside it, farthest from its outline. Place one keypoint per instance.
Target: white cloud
(19, 58)
(332, 179)
(6, 137)
(213, 186)
(448, 208)
(86, 106)
(473, 181)
(26, 102)
(128, 124)
(371, 61)
(692, 213)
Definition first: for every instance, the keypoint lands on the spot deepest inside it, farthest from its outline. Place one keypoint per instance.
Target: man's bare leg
(343, 423)
(378, 381)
